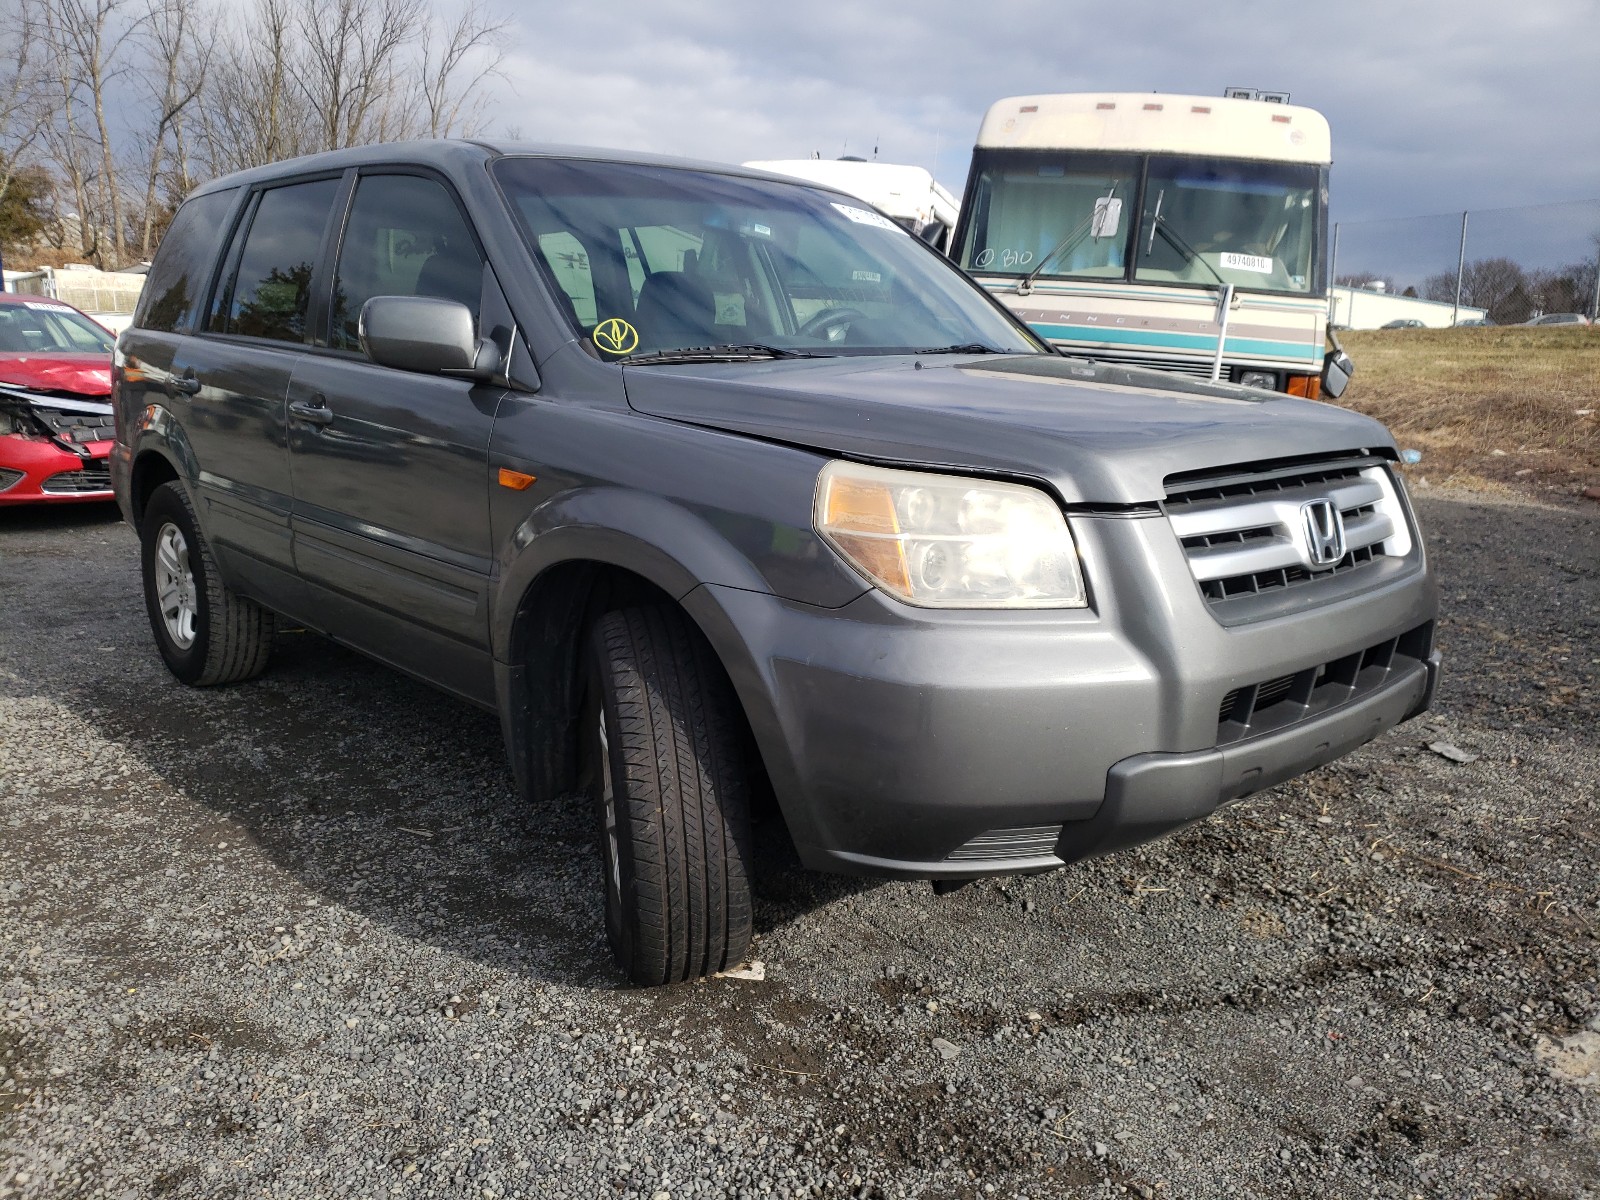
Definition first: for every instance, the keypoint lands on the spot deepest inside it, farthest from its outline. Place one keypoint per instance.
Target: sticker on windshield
(862, 217)
(616, 336)
(46, 305)
(1248, 262)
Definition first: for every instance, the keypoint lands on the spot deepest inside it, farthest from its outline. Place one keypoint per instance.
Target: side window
(270, 288)
(405, 237)
(183, 263)
(569, 267)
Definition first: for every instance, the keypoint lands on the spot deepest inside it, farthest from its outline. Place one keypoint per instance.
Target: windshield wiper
(1025, 287)
(1177, 242)
(960, 348)
(728, 352)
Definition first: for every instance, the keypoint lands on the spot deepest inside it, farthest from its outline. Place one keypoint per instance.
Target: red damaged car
(56, 427)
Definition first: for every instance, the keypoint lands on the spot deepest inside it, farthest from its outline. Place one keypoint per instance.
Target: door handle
(314, 412)
(186, 383)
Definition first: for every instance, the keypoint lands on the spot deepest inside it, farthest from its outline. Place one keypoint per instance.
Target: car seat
(450, 275)
(677, 310)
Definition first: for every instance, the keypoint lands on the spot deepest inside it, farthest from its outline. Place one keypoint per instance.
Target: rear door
(391, 506)
(229, 384)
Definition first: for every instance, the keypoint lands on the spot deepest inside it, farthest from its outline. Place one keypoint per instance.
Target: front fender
(673, 547)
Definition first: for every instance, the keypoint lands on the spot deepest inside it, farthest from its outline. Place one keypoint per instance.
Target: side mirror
(1336, 371)
(420, 333)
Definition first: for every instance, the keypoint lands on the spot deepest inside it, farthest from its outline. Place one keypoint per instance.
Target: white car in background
(1559, 319)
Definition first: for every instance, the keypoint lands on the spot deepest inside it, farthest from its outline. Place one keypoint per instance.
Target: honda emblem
(1324, 532)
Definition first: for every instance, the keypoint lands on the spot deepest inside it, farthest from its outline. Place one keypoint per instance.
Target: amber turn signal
(1309, 386)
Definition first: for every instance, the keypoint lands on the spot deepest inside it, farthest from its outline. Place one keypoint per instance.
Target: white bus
(1179, 232)
(910, 195)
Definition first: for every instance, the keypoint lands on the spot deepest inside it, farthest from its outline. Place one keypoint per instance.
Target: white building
(1368, 308)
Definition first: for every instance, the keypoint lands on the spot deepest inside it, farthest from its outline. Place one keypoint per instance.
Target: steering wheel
(830, 323)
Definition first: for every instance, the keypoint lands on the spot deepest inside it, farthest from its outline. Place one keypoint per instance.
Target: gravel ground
(298, 938)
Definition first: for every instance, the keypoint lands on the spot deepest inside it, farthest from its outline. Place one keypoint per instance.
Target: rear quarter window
(173, 290)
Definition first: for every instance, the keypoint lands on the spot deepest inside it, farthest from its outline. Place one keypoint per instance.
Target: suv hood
(86, 375)
(1097, 433)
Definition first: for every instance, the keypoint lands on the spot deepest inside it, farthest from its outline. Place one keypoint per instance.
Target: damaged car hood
(87, 375)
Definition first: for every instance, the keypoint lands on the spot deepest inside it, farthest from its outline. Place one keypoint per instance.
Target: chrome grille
(1245, 532)
(1029, 841)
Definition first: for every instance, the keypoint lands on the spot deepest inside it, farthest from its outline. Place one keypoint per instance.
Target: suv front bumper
(932, 744)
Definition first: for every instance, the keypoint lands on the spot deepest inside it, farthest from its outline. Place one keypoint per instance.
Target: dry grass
(1505, 409)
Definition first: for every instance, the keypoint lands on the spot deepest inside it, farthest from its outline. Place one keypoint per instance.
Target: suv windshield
(653, 260)
(44, 327)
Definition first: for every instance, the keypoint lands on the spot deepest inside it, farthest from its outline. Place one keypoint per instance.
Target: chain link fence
(1506, 265)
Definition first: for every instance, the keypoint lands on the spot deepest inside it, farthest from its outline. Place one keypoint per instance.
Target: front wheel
(206, 634)
(668, 766)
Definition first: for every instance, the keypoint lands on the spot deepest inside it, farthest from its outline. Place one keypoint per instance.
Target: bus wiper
(960, 348)
(1066, 243)
(1190, 254)
(726, 352)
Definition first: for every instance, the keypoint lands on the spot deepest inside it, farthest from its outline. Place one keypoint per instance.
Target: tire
(668, 762)
(206, 634)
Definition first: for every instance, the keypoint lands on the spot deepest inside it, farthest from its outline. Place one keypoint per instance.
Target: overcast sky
(1435, 107)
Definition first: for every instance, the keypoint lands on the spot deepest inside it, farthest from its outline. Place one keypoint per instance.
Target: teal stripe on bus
(1175, 341)
(1247, 300)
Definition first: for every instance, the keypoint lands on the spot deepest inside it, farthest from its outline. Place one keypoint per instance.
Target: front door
(390, 468)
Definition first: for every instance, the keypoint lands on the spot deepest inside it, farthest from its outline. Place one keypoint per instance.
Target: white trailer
(909, 195)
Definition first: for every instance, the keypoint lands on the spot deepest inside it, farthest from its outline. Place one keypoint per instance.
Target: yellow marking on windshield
(616, 336)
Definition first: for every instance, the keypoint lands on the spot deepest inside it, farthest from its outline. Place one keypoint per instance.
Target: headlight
(940, 541)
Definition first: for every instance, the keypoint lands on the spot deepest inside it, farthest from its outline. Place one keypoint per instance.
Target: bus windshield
(1207, 220)
(1201, 220)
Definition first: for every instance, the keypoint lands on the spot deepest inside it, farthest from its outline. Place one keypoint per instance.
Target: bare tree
(453, 100)
(355, 83)
(251, 113)
(22, 116)
(1496, 285)
(126, 101)
(84, 39)
(174, 41)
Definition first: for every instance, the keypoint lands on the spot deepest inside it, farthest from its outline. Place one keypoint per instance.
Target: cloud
(1435, 107)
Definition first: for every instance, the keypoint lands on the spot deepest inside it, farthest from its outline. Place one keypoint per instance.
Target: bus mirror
(1336, 371)
(1107, 217)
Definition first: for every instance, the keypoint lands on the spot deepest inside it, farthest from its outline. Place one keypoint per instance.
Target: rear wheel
(668, 767)
(206, 634)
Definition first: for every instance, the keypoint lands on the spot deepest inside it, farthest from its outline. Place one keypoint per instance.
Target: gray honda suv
(729, 495)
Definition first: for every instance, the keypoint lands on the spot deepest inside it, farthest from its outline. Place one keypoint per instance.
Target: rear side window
(269, 290)
(405, 237)
(177, 279)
